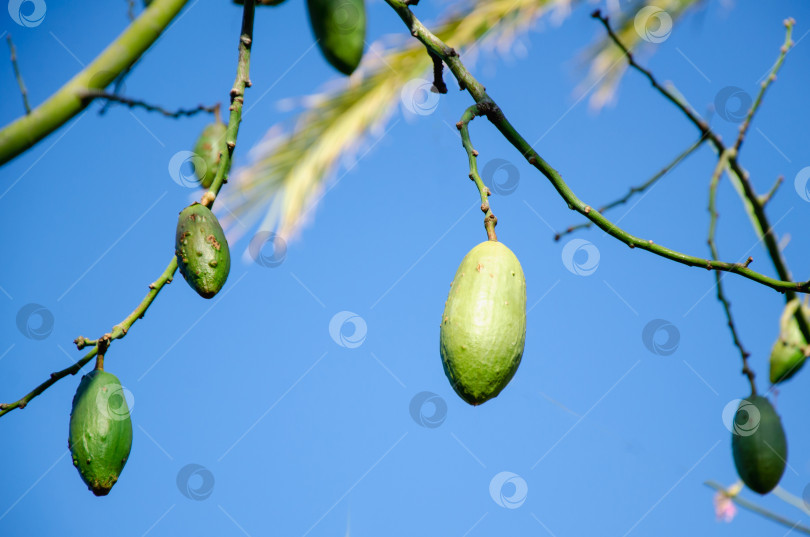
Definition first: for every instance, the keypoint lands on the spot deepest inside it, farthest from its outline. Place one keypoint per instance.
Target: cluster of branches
(119, 57)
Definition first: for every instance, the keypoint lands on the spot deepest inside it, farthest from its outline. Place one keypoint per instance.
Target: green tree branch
(120, 330)
(498, 119)
(25, 132)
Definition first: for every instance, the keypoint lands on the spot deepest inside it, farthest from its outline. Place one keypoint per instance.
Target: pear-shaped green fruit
(483, 327)
(100, 431)
(209, 147)
(340, 30)
(202, 251)
(758, 444)
(788, 352)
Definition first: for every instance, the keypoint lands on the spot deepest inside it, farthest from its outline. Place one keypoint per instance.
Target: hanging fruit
(202, 251)
(483, 327)
(758, 444)
(209, 147)
(340, 30)
(100, 431)
(788, 353)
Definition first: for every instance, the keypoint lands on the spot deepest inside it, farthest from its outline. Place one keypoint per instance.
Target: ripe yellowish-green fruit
(483, 328)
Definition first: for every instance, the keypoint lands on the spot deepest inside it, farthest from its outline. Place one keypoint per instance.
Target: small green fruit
(758, 444)
(788, 352)
(202, 251)
(100, 431)
(483, 327)
(340, 30)
(209, 147)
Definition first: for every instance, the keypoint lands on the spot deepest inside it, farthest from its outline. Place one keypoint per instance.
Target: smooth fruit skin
(483, 327)
(100, 436)
(340, 30)
(758, 444)
(202, 251)
(787, 355)
(208, 147)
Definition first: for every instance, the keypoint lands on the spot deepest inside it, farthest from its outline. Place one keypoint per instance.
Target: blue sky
(297, 432)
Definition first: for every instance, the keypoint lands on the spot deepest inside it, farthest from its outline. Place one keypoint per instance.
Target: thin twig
(756, 208)
(120, 330)
(718, 277)
(751, 506)
(764, 199)
(18, 75)
(133, 103)
(490, 221)
(498, 119)
(635, 189)
(765, 83)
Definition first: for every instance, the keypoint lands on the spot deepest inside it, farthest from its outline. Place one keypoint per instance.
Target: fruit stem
(490, 220)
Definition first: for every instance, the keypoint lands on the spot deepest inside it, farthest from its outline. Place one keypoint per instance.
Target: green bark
(26, 131)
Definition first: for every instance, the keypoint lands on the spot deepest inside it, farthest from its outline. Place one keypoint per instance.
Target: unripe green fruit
(483, 327)
(202, 251)
(100, 436)
(340, 30)
(787, 354)
(209, 147)
(758, 444)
